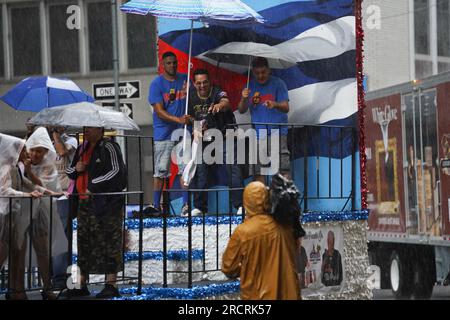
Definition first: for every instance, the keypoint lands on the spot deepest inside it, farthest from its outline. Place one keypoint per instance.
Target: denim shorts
(162, 156)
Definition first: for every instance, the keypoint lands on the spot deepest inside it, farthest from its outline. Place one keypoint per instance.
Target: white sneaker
(239, 211)
(196, 212)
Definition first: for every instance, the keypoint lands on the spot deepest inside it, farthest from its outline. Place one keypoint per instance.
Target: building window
(443, 27)
(100, 36)
(421, 27)
(443, 67)
(26, 41)
(423, 69)
(2, 60)
(64, 44)
(141, 38)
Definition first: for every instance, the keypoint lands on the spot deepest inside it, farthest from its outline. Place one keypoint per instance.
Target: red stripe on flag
(174, 172)
(232, 83)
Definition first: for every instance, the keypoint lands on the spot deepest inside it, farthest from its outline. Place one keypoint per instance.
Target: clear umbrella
(84, 114)
(242, 53)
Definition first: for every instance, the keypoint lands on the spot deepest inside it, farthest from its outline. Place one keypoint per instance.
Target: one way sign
(127, 90)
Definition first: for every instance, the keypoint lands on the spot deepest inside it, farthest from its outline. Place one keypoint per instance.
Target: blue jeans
(60, 263)
(234, 180)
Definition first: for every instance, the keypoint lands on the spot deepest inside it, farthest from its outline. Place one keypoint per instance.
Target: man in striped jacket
(98, 167)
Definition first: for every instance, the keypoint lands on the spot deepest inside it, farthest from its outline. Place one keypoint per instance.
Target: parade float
(181, 256)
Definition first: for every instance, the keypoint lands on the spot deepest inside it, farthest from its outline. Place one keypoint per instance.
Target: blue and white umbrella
(206, 11)
(37, 93)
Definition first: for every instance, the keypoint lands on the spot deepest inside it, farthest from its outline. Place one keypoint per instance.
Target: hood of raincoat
(40, 138)
(256, 199)
(46, 170)
(262, 252)
(10, 148)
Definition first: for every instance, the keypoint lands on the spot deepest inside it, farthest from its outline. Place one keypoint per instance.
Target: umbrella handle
(248, 72)
(189, 67)
(48, 97)
(188, 81)
(217, 70)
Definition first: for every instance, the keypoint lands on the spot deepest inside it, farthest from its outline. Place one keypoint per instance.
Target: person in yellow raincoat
(261, 251)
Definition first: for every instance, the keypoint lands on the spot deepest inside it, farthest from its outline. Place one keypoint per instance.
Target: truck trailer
(408, 182)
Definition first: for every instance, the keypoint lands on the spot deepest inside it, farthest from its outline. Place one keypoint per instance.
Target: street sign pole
(115, 41)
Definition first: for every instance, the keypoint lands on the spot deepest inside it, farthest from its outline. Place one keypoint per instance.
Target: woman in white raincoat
(41, 170)
(12, 231)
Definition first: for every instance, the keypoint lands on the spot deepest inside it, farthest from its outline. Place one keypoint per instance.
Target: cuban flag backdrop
(320, 36)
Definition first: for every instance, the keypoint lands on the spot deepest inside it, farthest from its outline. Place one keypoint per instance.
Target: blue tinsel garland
(196, 292)
(176, 255)
(133, 224)
(335, 216)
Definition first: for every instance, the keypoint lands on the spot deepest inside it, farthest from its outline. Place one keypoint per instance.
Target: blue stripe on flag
(309, 72)
(284, 22)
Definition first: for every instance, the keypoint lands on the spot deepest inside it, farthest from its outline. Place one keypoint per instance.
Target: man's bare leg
(158, 184)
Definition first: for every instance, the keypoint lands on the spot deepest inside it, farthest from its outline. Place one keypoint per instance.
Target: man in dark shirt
(211, 107)
(98, 167)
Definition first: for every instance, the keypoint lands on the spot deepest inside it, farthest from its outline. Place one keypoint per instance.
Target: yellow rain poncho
(262, 252)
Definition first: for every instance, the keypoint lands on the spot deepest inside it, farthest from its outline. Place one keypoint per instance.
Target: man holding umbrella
(268, 101)
(167, 95)
(230, 11)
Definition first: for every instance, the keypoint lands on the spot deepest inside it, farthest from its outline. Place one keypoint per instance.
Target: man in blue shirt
(268, 101)
(167, 95)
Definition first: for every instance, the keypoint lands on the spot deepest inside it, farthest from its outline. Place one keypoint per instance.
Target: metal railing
(308, 156)
(32, 274)
(303, 144)
(342, 143)
(137, 150)
(202, 221)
